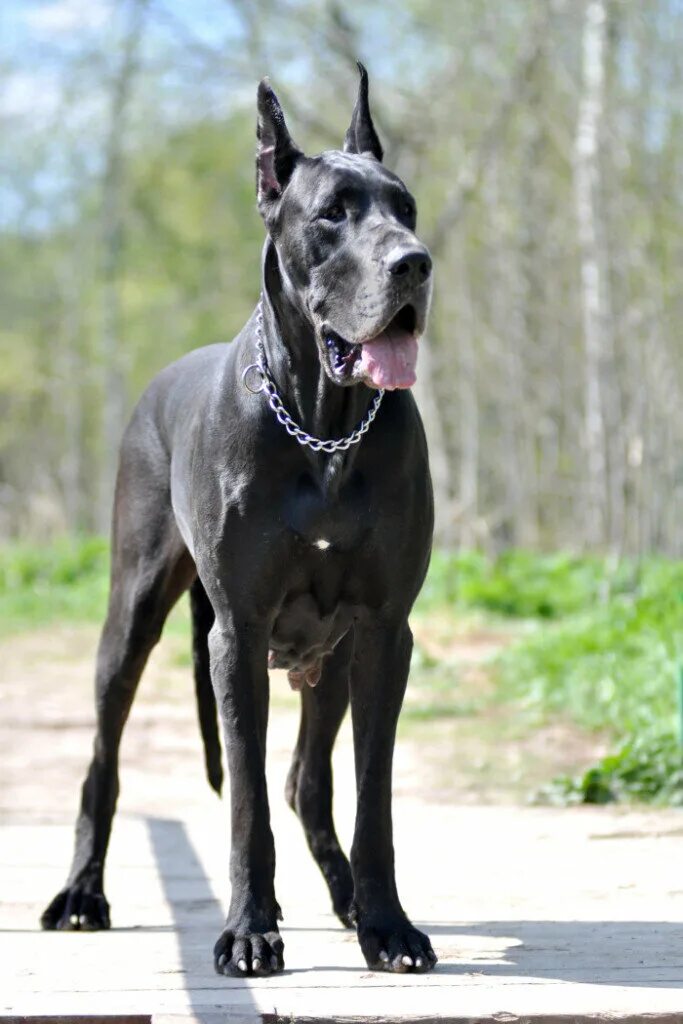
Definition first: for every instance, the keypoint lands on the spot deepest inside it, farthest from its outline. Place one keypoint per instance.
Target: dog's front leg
(387, 938)
(250, 942)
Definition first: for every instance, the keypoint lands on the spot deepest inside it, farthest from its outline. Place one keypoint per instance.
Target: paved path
(536, 914)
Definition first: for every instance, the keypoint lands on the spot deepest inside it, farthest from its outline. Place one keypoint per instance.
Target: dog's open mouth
(386, 360)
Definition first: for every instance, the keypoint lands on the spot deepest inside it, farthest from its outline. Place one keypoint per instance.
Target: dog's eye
(408, 211)
(335, 212)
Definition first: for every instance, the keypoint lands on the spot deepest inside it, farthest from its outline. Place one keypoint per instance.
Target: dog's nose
(414, 265)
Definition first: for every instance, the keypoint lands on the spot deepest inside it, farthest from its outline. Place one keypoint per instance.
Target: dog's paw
(77, 908)
(253, 953)
(393, 944)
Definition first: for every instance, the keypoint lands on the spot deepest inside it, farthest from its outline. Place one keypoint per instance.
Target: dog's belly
(303, 634)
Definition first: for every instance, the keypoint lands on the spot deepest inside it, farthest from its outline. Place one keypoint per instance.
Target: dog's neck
(319, 406)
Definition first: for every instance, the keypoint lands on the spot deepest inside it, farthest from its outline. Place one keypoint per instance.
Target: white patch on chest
(322, 544)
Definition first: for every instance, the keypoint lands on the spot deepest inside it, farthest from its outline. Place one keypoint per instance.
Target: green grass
(63, 581)
(612, 666)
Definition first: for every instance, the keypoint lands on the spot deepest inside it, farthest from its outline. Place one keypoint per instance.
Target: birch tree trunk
(113, 370)
(69, 399)
(586, 181)
(468, 401)
(426, 396)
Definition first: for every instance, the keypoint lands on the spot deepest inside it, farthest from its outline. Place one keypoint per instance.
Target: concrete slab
(536, 915)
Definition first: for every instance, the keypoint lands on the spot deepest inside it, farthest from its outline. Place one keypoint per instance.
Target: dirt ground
(480, 755)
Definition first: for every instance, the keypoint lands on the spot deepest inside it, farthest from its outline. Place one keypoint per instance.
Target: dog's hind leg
(309, 782)
(150, 569)
(202, 621)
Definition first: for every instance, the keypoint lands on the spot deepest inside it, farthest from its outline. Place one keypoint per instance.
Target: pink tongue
(389, 360)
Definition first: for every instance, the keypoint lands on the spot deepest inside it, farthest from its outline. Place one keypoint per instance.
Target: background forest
(544, 143)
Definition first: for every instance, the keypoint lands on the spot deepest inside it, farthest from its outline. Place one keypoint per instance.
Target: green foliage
(645, 768)
(194, 203)
(39, 584)
(613, 666)
(65, 581)
(523, 584)
(62, 563)
(190, 207)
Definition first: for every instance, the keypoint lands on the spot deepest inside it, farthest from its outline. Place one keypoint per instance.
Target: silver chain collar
(267, 385)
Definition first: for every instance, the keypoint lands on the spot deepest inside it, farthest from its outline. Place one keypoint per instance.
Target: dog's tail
(202, 621)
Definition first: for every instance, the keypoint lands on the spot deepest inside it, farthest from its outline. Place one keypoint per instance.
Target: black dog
(298, 554)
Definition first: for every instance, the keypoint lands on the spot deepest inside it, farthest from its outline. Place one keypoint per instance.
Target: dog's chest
(325, 518)
(325, 578)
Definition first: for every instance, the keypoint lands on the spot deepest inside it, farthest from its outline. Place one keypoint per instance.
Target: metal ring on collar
(251, 369)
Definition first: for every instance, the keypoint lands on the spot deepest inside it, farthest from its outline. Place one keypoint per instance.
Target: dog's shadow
(646, 954)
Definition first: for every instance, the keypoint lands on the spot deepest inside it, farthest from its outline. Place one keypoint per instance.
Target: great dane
(283, 479)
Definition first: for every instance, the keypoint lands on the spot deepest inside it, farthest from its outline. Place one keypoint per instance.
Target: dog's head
(343, 227)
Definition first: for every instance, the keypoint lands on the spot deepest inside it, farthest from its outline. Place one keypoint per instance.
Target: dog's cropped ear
(276, 153)
(361, 136)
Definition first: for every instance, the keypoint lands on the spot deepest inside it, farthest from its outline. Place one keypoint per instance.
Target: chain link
(267, 385)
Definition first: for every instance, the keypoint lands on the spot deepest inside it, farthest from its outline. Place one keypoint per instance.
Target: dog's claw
(391, 943)
(242, 951)
(77, 908)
